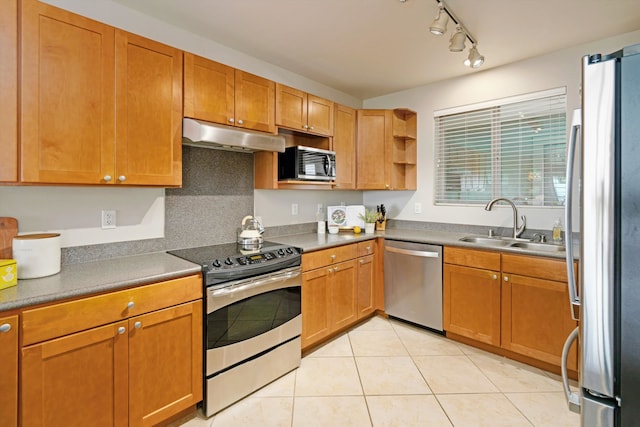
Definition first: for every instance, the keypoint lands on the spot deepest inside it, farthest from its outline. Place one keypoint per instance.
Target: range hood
(198, 133)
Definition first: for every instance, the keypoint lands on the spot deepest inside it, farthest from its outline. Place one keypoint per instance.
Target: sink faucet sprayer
(517, 231)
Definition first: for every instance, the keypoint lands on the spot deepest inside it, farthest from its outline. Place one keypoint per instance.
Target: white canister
(37, 255)
(321, 227)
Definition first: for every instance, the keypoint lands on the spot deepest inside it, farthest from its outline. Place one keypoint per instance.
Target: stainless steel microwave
(307, 163)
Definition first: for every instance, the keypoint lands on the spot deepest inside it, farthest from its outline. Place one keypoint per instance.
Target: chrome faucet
(517, 231)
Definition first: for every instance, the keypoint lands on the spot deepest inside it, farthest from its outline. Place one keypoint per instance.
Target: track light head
(456, 43)
(439, 25)
(474, 60)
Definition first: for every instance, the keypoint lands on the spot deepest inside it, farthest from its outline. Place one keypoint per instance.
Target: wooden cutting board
(8, 230)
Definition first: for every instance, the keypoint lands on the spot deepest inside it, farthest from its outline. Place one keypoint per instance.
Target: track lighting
(474, 60)
(439, 25)
(456, 43)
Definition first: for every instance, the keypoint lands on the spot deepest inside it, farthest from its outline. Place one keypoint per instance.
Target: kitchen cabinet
(98, 105)
(218, 93)
(536, 319)
(387, 149)
(131, 357)
(471, 294)
(344, 144)
(338, 289)
(303, 112)
(9, 377)
(9, 90)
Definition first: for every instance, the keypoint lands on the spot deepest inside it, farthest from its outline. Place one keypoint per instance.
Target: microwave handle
(327, 165)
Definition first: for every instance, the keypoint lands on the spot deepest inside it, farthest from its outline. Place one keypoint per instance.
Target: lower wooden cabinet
(137, 371)
(9, 374)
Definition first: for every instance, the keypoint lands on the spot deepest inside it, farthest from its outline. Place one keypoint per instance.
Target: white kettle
(250, 233)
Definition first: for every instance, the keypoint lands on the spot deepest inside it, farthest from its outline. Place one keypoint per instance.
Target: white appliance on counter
(608, 298)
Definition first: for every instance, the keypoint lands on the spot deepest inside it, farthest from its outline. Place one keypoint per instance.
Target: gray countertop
(81, 279)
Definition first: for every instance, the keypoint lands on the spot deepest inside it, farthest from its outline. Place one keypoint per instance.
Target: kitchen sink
(543, 247)
(487, 241)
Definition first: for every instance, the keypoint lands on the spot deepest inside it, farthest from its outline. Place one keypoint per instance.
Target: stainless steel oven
(253, 323)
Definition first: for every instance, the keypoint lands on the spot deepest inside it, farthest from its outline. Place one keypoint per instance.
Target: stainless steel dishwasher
(413, 282)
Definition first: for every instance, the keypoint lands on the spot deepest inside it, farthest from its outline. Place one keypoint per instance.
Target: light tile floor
(385, 373)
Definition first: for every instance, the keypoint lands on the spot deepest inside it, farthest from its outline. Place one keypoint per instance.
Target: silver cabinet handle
(506, 278)
(361, 261)
(137, 325)
(305, 127)
(122, 178)
(331, 270)
(311, 127)
(231, 120)
(335, 268)
(122, 330)
(412, 252)
(240, 122)
(333, 257)
(130, 305)
(495, 277)
(5, 327)
(573, 399)
(368, 248)
(107, 178)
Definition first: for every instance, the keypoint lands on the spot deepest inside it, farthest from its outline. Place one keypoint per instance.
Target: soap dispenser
(556, 232)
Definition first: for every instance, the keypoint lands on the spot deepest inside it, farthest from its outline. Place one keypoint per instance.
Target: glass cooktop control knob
(289, 251)
(228, 261)
(216, 263)
(280, 252)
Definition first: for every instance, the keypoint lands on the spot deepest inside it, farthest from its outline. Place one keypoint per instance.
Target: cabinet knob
(368, 248)
(331, 270)
(387, 186)
(107, 178)
(240, 122)
(5, 327)
(335, 268)
(137, 325)
(506, 278)
(333, 257)
(130, 305)
(122, 178)
(122, 330)
(495, 277)
(361, 261)
(311, 127)
(305, 127)
(231, 120)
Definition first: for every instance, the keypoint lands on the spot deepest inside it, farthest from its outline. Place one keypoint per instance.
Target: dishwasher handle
(422, 254)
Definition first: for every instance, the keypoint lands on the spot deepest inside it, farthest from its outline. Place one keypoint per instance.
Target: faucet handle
(539, 237)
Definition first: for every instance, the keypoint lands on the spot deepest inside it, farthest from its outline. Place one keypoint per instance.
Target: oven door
(248, 317)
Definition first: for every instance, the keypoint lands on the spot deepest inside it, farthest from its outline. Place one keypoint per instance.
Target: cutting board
(8, 230)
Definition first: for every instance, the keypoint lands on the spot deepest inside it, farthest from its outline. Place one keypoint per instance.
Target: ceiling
(368, 48)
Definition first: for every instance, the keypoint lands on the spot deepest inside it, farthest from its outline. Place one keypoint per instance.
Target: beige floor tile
(282, 387)
(327, 376)
(256, 411)
(343, 411)
(545, 409)
(482, 410)
(376, 323)
(376, 343)
(511, 376)
(390, 375)
(423, 343)
(338, 347)
(406, 411)
(453, 374)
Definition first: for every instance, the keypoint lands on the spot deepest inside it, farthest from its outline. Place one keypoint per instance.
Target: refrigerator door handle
(574, 299)
(573, 398)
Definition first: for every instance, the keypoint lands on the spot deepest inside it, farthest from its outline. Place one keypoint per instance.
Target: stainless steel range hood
(198, 133)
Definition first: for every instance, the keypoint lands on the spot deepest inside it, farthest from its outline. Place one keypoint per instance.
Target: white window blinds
(513, 148)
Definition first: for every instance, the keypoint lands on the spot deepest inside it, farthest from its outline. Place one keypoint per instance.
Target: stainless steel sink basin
(488, 241)
(543, 247)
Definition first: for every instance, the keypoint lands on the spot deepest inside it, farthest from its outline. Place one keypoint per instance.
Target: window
(513, 148)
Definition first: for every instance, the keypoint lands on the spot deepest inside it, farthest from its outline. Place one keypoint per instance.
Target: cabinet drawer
(543, 268)
(57, 320)
(366, 248)
(329, 256)
(472, 258)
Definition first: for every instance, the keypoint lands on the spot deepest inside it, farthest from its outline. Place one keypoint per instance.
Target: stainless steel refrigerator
(605, 147)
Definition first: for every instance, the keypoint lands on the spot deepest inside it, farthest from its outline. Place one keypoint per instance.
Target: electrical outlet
(108, 219)
(294, 209)
(417, 208)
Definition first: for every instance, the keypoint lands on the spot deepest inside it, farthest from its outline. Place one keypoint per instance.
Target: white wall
(558, 69)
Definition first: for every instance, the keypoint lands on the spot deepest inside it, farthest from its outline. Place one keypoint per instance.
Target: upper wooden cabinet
(387, 150)
(82, 80)
(9, 90)
(221, 94)
(303, 112)
(344, 144)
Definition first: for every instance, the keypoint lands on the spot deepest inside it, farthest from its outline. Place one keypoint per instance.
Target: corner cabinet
(126, 358)
(387, 150)
(9, 91)
(9, 377)
(98, 105)
(221, 94)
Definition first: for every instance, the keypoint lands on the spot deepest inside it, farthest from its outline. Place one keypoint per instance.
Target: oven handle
(245, 285)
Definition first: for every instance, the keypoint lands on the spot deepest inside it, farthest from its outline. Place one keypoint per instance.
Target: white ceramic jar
(37, 255)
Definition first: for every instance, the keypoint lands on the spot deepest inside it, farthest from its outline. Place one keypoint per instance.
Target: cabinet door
(291, 108)
(67, 97)
(77, 380)
(255, 102)
(536, 318)
(320, 115)
(373, 149)
(344, 144)
(148, 112)
(366, 285)
(9, 376)
(9, 91)
(165, 368)
(343, 296)
(315, 306)
(209, 90)
(472, 303)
